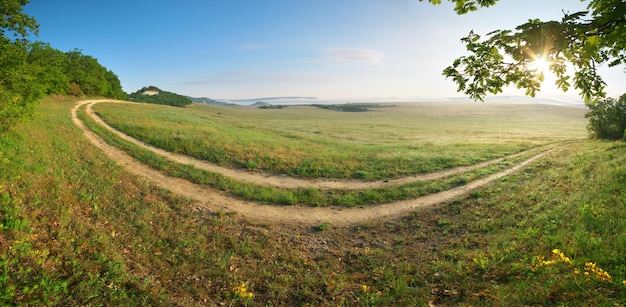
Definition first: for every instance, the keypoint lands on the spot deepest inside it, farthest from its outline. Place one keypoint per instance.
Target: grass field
(381, 144)
(78, 229)
(302, 196)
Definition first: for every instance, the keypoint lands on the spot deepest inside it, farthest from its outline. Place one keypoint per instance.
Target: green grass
(79, 230)
(303, 196)
(311, 142)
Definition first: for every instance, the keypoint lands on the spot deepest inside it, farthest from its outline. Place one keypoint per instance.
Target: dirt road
(296, 215)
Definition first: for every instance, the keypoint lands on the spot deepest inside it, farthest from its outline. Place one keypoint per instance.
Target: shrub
(607, 118)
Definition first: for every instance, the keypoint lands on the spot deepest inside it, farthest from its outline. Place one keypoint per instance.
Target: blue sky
(330, 49)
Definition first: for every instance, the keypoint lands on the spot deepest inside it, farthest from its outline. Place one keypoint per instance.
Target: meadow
(308, 196)
(381, 144)
(78, 229)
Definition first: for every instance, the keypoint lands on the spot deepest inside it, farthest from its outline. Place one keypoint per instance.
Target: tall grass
(517, 233)
(56, 246)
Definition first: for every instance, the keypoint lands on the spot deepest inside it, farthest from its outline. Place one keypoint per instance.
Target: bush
(607, 118)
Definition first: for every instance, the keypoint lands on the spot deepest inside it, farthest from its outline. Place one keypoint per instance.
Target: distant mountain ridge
(302, 100)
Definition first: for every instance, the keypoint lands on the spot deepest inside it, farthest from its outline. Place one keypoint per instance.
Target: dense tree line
(271, 106)
(343, 107)
(31, 70)
(353, 107)
(159, 97)
(71, 73)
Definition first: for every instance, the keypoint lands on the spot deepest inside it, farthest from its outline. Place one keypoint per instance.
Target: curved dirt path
(284, 181)
(293, 215)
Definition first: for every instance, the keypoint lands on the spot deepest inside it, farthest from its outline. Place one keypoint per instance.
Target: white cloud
(235, 73)
(250, 47)
(352, 56)
(248, 76)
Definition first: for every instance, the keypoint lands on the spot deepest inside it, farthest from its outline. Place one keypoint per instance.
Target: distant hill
(260, 104)
(211, 102)
(273, 100)
(153, 94)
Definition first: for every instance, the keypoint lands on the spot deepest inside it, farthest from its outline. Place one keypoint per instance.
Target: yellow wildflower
(567, 260)
(549, 262)
(602, 275)
(365, 288)
(242, 291)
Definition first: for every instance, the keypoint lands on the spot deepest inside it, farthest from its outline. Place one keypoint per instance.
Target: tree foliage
(29, 70)
(585, 40)
(92, 78)
(13, 19)
(159, 97)
(15, 73)
(466, 6)
(607, 118)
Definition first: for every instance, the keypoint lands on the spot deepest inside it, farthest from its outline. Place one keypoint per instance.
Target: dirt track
(296, 215)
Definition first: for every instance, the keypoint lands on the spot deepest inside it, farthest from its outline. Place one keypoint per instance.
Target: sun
(540, 64)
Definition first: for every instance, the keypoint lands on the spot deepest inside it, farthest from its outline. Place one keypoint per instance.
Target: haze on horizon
(353, 49)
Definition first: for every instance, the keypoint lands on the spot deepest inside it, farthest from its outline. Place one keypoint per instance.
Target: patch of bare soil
(294, 215)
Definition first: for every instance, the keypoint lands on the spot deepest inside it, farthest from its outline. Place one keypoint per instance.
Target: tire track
(284, 181)
(291, 215)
